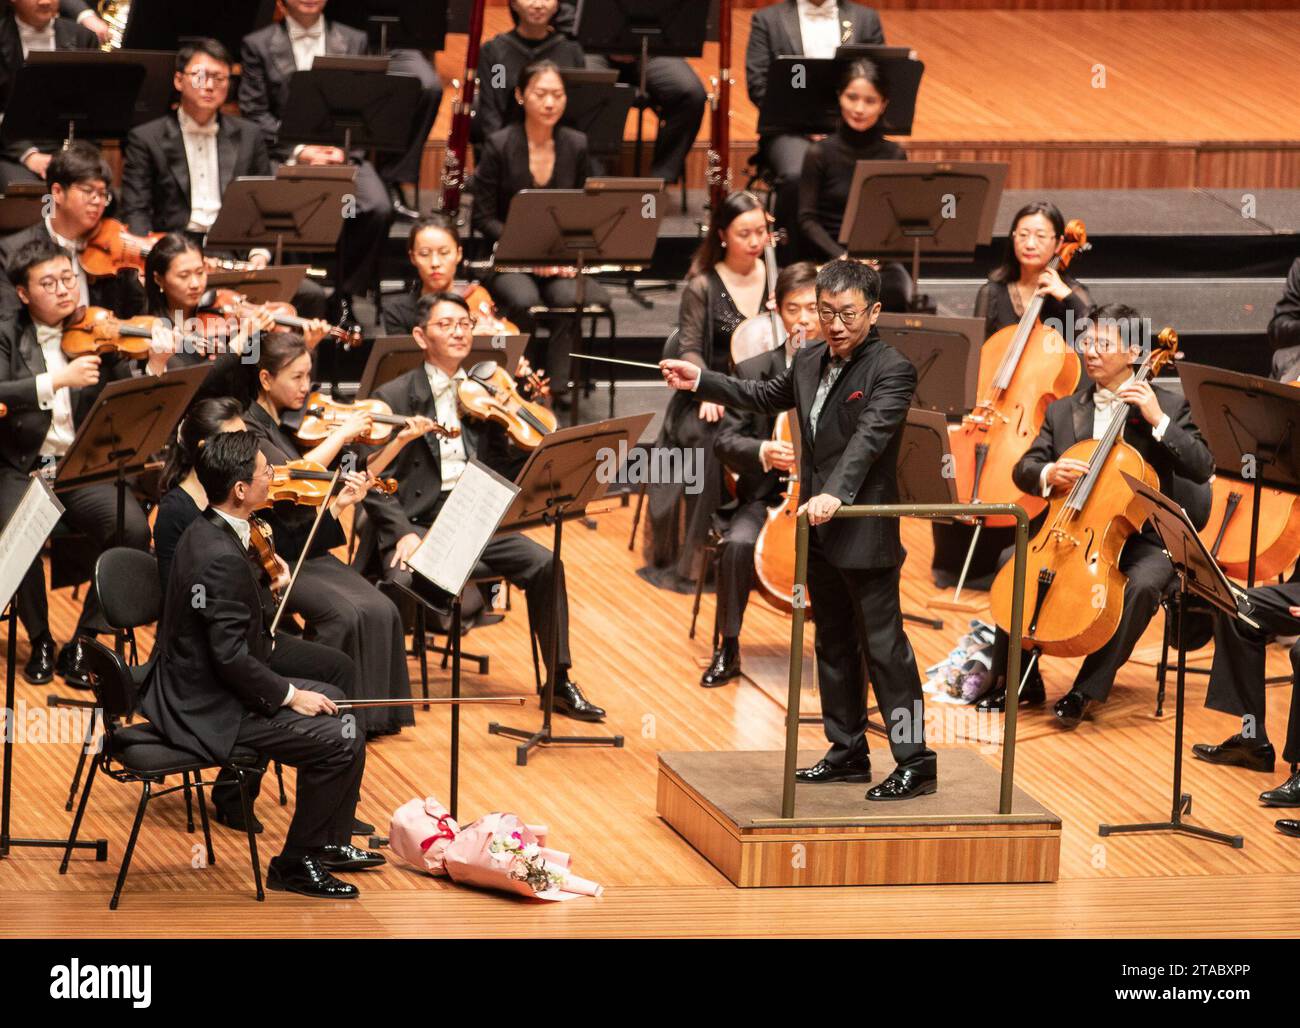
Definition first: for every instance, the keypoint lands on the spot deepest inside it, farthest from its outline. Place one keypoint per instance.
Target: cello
(1073, 561)
(1227, 533)
(775, 547)
(1022, 370)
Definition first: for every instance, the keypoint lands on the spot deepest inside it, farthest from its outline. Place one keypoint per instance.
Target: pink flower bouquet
(499, 851)
(420, 832)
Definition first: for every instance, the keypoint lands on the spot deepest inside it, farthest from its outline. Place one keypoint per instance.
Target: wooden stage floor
(633, 657)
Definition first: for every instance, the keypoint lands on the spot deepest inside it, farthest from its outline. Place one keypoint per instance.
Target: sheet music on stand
(463, 528)
(24, 535)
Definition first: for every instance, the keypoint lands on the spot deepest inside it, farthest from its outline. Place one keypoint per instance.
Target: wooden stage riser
(861, 855)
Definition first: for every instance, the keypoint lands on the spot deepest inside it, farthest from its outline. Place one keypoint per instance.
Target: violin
(262, 541)
(323, 415)
(97, 330)
(774, 550)
(227, 303)
(487, 322)
(112, 248)
(765, 330)
(1074, 587)
(1022, 370)
(307, 483)
(489, 393)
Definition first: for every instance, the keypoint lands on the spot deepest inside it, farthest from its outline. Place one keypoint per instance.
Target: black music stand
(1197, 573)
(802, 99)
(72, 98)
(602, 224)
(389, 24)
(391, 356)
(265, 285)
(133, 420)
(300, 209)
(946, 354)
(155, 96)
(165, 24)
(597, 106)
(22, 545)
(924, 447)
(555, 485)
(20, 207)
(644, 29)
(900, 209)
(351, 102)
(1247, 416)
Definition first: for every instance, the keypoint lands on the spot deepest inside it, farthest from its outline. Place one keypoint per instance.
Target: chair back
(129, 591)
(110, 678)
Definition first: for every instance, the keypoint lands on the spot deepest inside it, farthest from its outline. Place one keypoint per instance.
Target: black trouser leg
(364, 233)
(679, 98)
(527, 565)
(736, 567)
(784, 156)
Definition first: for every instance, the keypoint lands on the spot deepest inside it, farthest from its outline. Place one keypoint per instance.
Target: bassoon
(719, 170)
(453, 165)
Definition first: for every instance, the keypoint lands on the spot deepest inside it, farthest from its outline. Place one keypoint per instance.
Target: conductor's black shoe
(360, 827)
(348, 858)
(852, 771)
(71, 665)
(39, 668)
(904, 783)
(1070, 709)
(1288, 828)
(307, 877)
(234, 820)
(1237, 752)
(1285, 795)
(400, 207)
(570, 702)
(725, 665)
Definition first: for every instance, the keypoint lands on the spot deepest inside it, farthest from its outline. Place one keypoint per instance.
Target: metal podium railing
(904, 510)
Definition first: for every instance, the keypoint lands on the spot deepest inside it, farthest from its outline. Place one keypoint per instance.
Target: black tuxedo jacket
(24, 429)
(121, 293)
(211, 658)
(1284, 326)
(68, 35)
(503, 171)
(1181, 458)
(742, 433)
(418, 468)
(268, 65)
(156, 174)
(774, 32)
(854, 455)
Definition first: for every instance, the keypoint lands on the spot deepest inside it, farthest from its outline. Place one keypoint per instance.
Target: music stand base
(100, 846)
(1176, 825)
(543, 737)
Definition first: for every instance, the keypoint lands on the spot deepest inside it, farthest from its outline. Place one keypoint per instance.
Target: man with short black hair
(851, 394)
(214, 686)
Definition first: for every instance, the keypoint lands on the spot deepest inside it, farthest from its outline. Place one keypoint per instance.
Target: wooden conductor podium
(737, 809)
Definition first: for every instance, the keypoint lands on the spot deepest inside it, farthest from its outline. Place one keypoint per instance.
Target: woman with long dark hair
(535, 153)
(1037, 231)
(828, 169)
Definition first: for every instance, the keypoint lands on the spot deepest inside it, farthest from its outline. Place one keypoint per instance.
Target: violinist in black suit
(48, 395)
(745, 445)
(851, 395)
(429, 468)
(1159, 426)
(219, 681)
(809, 28)
(32, 25)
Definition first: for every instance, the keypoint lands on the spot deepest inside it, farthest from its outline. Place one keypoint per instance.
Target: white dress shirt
(35, 39)
(74, 248)
(1104, 405)
(205, 176)
(819, 25)
(308, 44)
(57, 401)
(245, 533)
(451, 452)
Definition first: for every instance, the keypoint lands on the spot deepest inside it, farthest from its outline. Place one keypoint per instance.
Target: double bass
(1074, 589)
(1022, 370)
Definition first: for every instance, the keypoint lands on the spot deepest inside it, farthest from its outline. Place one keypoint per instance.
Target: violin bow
(302, 557)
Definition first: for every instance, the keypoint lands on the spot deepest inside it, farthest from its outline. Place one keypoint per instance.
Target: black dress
(340, 607)
(175, 512)
(999, 308)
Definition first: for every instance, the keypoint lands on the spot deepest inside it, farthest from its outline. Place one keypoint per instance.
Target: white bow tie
(315, 32)
(27, 32)
(193, 128)
(1104, 399)
(826, 10)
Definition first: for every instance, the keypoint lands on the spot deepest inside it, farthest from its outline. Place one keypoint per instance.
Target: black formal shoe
(1237, 752)
(40, 665)
(725, 665)
(234, 820)
(71, 665)
(400, 206)
(1288, 828)
(348, 858)
(903, 783)
(307, 877)
(1033, 695)
(360, 827)
(1285, 795)
(853, 771)
(570, 702)
(1070, 709)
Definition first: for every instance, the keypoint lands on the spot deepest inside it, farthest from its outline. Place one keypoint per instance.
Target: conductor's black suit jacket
(213, 646)
(854, 454)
